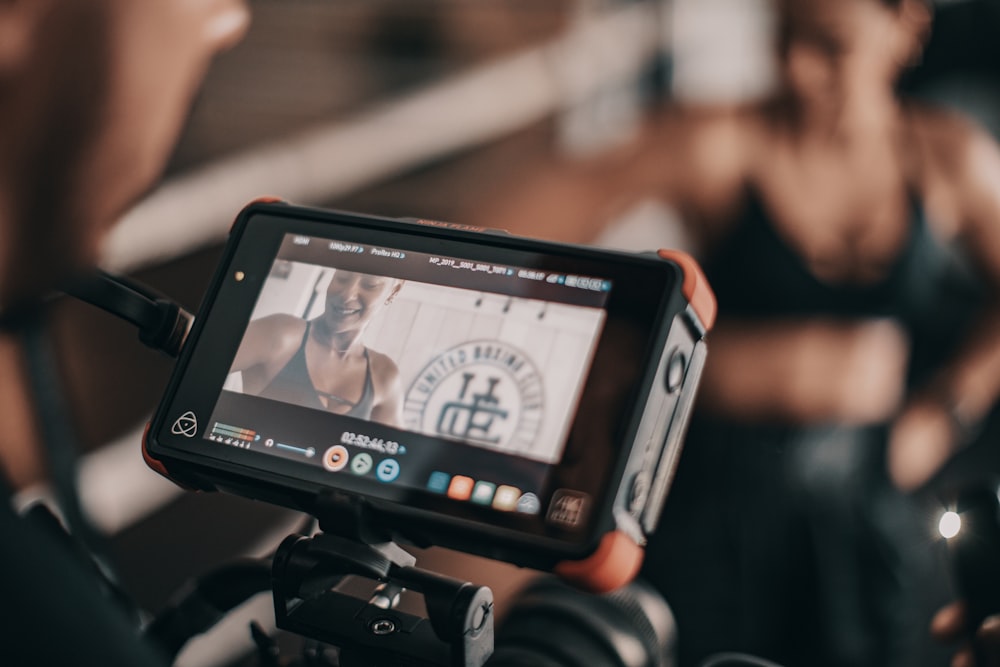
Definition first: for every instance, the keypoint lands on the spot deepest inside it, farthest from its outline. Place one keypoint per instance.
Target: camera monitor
(499, 395)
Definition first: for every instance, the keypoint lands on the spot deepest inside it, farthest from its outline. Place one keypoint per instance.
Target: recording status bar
(445, 270)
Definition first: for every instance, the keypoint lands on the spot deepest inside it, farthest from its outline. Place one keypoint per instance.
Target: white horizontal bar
(196, 209)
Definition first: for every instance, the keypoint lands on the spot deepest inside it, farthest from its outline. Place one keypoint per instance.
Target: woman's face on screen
(353, 299)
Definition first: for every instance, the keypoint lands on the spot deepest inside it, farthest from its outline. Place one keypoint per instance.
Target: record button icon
(335, 459)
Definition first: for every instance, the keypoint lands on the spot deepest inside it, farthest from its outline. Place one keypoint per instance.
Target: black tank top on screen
(293, 385)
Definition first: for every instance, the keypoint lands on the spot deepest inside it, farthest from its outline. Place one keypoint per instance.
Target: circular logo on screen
(485, 393)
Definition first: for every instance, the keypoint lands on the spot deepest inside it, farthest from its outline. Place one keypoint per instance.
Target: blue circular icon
(388, 470)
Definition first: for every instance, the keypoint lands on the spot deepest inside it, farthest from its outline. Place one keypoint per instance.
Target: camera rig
(456, 632)
(593, 532)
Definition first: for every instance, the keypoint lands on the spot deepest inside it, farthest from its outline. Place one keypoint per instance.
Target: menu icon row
(504, 497)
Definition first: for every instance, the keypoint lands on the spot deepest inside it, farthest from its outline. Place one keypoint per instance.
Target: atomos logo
(486, 393)
(186, 425)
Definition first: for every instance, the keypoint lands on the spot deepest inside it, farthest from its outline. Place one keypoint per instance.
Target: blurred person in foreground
(93, 94)
(853, 353)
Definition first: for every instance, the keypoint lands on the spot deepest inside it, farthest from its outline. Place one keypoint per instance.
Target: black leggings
(792, 545)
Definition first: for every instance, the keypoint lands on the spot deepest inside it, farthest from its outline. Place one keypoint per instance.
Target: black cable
(163, 324)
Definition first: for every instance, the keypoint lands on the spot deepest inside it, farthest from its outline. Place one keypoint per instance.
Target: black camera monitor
(499, 395)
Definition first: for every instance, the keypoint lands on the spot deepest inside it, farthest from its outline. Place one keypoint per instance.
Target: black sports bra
(293, 385)
(756, 274)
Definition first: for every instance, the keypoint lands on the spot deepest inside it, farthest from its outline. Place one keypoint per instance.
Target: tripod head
(457, 631)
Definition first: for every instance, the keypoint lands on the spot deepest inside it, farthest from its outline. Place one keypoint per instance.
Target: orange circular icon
(335, 458)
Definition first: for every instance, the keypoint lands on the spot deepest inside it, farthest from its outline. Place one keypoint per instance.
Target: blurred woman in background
(850, 342)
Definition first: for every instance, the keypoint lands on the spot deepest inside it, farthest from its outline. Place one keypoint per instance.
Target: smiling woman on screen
(323, 363)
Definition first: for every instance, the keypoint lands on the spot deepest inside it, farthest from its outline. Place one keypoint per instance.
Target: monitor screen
(481, 379)
(434, 373)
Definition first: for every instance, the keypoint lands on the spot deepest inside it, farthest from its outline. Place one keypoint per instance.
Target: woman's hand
(922, 438)
(948, 626)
